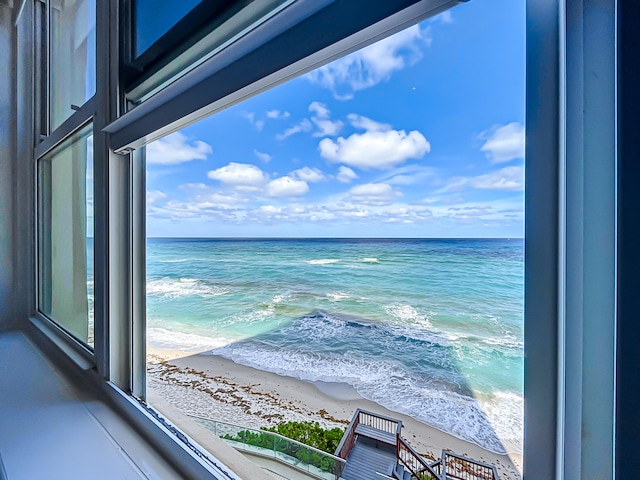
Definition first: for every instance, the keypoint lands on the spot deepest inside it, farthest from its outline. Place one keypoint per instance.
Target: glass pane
(353, 235)
(172, 38)
(73, 56)
(154, 18)
(65, 208)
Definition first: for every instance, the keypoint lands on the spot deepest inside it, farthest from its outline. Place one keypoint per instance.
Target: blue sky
(419, 135)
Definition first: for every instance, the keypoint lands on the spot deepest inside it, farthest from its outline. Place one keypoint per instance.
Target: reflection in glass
(73, 56)
(65, 223)
(172, 38)
(154, 18)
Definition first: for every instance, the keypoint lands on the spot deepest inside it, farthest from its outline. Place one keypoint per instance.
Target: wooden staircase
(374, 450)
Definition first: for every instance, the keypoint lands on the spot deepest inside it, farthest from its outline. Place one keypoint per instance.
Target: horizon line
(330, 238)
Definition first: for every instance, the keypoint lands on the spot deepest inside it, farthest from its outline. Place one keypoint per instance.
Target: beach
(215, 387)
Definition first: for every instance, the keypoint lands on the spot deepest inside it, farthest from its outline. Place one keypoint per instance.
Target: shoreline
(215, 387)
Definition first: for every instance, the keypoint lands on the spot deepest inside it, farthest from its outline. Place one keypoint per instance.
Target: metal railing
(370, 419)
(299, 456)
(457, 467)
(385, 424)
(414, 462)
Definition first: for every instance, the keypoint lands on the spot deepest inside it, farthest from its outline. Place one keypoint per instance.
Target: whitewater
(432, 328)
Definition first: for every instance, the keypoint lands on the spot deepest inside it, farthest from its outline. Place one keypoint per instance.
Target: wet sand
(214, 387)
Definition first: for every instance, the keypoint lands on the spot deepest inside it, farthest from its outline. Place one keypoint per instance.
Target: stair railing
(413, 462)
(349, 437)
(457, 467)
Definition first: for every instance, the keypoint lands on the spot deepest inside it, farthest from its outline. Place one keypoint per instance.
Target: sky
(420, 135)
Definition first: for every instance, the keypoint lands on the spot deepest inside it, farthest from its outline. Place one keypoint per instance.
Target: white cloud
(373, 64)
(472, 211)
(265, 157)
(408, 175)
(444, 17)
(270, 209)
(500, 212)
(504, 143)
(175, 149)
(320, 110)
(259, 124)
(364, 123)
(373, 206)
(510, 179)
(155, 195)
(239, 174)
(276, 114)
(346, 175)
(507, 179)
(287, 187)
(373, 194)
(311, 175)
(206, 194)
(325, 126)
(304, 126)
(375, 149)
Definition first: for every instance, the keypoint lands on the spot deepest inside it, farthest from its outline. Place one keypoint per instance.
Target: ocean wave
(509, 341)
(163, 338)
(407, 314)
(370, 260)
(317, 327)
(266, 311)
(323, 261)
(337, 296)
(492, 421)
(320, 326)
(170, 288)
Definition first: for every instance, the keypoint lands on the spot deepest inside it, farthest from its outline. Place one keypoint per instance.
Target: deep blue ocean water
(428, 327)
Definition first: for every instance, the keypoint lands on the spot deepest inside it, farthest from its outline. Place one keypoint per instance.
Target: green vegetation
(309, 433)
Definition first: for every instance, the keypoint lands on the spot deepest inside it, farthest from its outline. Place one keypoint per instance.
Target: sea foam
(323, 261)
(489, 422)
(170, 288)
(164, 338)
(370, 260)
(407, 314)
(337, 296)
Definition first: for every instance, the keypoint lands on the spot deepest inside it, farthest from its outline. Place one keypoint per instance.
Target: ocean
(432, 328)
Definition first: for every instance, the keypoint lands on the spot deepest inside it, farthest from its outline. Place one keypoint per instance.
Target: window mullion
(112, 213)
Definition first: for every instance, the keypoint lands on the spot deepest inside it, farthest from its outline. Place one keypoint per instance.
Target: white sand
(214, 387)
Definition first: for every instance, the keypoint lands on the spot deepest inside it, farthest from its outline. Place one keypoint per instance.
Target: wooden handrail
(375, 420)
(381, 422)
(348, 438)
(414, 462)
(457, 467)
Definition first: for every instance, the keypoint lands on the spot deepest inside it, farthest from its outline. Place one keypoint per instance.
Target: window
(169, 39)
(72, 58)
(294, 40)
(65, 221)
(64, 160)
(307, 232)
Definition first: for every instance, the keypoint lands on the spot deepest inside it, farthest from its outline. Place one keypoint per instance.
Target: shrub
(308, 433)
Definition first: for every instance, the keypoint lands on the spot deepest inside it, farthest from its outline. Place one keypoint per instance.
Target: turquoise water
(428, 327)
